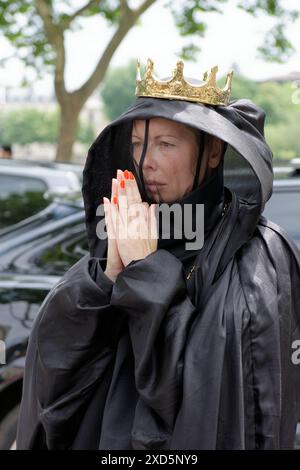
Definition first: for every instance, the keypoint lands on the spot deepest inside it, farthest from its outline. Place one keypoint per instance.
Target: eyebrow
(158, 136)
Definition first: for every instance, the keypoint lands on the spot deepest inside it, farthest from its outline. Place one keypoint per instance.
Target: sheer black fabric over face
(210, 193)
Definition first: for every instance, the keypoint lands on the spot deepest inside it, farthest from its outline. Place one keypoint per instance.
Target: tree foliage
(25, 126)
(282, 113)
(117, 90)
(37, 29)
(23, 24)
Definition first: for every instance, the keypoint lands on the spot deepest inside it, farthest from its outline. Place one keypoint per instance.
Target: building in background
(20, 98)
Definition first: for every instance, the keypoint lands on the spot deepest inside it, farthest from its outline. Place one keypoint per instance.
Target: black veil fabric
(138, 167)
(210, 193)
(139, 363)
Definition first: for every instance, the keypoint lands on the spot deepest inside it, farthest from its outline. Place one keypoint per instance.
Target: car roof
(286, 184)
(53, 177)
(47, 164)
(295, 163)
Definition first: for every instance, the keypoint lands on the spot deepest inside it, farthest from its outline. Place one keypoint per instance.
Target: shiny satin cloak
(139, 367)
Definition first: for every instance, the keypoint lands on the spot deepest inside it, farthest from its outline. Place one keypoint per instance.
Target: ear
(216, 151)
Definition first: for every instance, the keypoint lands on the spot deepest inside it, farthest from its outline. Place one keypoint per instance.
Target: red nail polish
(115, 200)
(126, 174)
(122, 184)
(131, 175)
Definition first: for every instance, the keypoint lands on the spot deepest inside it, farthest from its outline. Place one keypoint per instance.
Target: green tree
(242, 87)
(283, 134)
(118, 89)
(86, 133)
(37, 30)
(28, 125)
(25, 126)
(282, 114)
(269, 96)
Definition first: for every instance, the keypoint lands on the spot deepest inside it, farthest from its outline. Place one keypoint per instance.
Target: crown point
(178, 71)
(150, 64)
(212, 79)
(227, 87)
(138, 70)
(149, 68)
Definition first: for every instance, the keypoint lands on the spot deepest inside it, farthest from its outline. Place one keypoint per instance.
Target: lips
(153, 186)
(153, 183)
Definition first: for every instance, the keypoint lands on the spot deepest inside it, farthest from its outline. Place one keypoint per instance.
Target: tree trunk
(69, 121)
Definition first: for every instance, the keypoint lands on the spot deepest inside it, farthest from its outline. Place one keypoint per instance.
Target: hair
(6, 148)
(199, 134)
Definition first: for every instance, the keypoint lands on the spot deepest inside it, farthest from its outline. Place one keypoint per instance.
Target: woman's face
(170, 162)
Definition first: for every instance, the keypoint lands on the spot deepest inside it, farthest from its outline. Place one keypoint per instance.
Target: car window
(14, 184)
(20, 197)
(19, 307)
(59, 257)
(284, 209)
(52, 254)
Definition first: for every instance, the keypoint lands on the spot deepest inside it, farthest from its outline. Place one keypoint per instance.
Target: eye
(166, 144)
(136, 144)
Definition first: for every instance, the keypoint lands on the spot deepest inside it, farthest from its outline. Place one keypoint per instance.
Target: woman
(155, 342)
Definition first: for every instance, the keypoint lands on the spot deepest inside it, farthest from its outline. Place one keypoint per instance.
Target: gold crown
(177, 88)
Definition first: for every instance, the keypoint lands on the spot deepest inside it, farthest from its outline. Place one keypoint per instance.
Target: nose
(150, 160)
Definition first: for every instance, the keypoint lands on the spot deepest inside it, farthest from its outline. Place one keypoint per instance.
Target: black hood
(248, 172)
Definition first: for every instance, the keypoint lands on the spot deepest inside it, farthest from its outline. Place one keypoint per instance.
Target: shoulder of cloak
(269, 270)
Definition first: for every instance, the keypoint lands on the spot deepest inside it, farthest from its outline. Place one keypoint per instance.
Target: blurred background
(67, 68)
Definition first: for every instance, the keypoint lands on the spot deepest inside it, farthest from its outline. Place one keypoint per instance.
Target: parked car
(295, 165)
(283, 208)
(34, 255)
(26, 186)
(63, 166)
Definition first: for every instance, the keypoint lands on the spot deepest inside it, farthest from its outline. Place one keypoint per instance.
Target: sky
(232, 37)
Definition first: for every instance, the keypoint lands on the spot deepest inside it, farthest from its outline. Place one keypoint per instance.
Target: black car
(34, 255)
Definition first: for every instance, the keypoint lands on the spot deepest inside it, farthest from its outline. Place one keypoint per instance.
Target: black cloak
(139, 364)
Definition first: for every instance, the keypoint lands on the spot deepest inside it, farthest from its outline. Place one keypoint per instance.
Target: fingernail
(126, 174)
(115, 200)
(131, 175)
(122, 184)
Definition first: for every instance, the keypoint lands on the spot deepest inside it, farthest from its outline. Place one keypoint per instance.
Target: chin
(169, 199)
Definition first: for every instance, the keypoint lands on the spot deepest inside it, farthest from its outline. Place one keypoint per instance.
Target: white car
(18, 177)
(28, 187)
